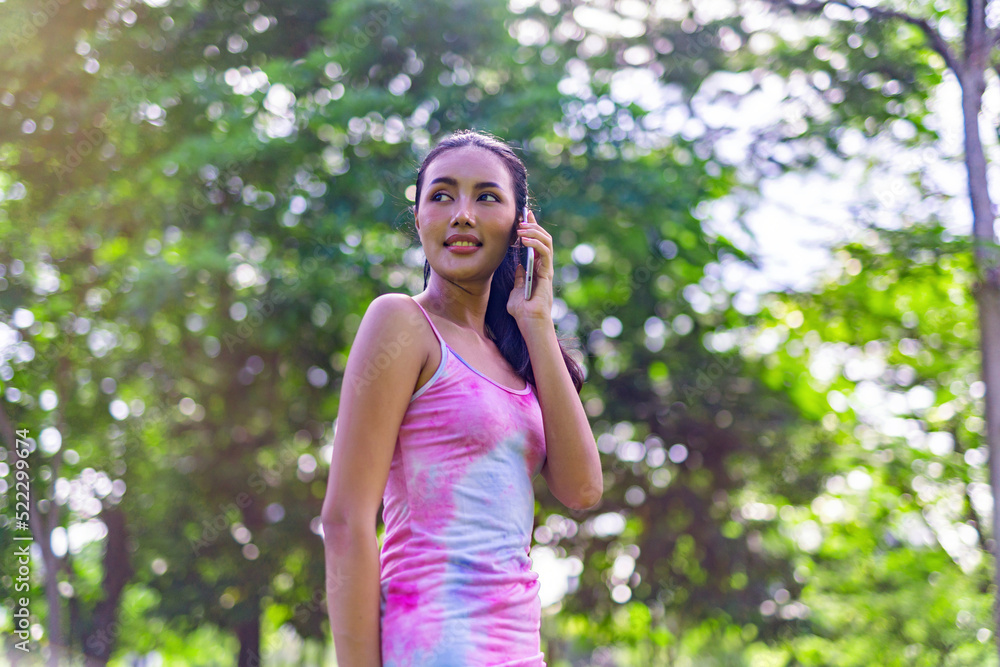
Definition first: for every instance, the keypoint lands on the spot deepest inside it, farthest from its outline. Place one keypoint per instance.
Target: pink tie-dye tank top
(457, 588)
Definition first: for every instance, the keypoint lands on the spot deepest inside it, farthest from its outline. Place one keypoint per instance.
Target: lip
(462, 250)
(462, 237)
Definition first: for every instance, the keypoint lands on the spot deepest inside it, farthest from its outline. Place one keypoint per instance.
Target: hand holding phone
(529, 268)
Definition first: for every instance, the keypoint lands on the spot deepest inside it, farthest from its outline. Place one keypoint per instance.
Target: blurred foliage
(200, 200)
(903, 572)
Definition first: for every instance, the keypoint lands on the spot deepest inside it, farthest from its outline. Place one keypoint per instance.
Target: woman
(450, 447)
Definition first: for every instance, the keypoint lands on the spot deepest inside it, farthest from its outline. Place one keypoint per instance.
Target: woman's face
(466, 191)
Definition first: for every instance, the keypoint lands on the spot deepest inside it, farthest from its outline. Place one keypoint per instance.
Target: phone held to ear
(528, 261)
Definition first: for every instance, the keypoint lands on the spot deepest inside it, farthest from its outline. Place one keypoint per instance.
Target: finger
(536, 232)
(543, 259)
(541, 248)
(532, 224)
(534, 243)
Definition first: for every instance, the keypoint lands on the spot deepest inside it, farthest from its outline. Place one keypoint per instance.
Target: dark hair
(500, 325)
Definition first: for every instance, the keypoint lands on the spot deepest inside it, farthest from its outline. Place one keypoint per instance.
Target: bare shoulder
(395, 312)
(383, 366)
(392, 326)
(393, 308)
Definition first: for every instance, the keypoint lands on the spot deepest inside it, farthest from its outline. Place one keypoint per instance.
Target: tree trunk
(248, 632)
(100, 641)
(988, 299)
(987, 288)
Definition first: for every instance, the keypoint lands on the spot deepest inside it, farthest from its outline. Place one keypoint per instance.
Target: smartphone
(528, 258)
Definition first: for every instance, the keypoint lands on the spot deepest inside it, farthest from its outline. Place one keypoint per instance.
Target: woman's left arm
(573, 466)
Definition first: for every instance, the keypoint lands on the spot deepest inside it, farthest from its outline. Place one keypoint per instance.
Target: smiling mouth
(464, 244)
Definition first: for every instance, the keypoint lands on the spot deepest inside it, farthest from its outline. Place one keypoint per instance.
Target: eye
(434, 197)
(490, 194)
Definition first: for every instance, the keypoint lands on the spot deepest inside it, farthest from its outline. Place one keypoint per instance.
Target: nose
(463, 213)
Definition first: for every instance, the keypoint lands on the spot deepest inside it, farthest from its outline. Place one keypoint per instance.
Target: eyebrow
(453, 182)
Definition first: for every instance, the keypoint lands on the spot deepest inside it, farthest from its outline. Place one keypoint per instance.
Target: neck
(462, 303)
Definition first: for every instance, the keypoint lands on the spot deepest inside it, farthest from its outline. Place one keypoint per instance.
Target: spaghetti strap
(434, 328)
(447, 349)
(444, 357)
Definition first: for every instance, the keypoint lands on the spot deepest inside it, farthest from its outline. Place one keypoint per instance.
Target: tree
(247, 200)
(897, 568)
(213, 335)
(969, 58)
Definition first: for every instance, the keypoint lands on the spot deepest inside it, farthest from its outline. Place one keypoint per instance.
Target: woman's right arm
(382, 369)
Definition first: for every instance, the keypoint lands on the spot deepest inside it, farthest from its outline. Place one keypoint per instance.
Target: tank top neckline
(444, 343)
